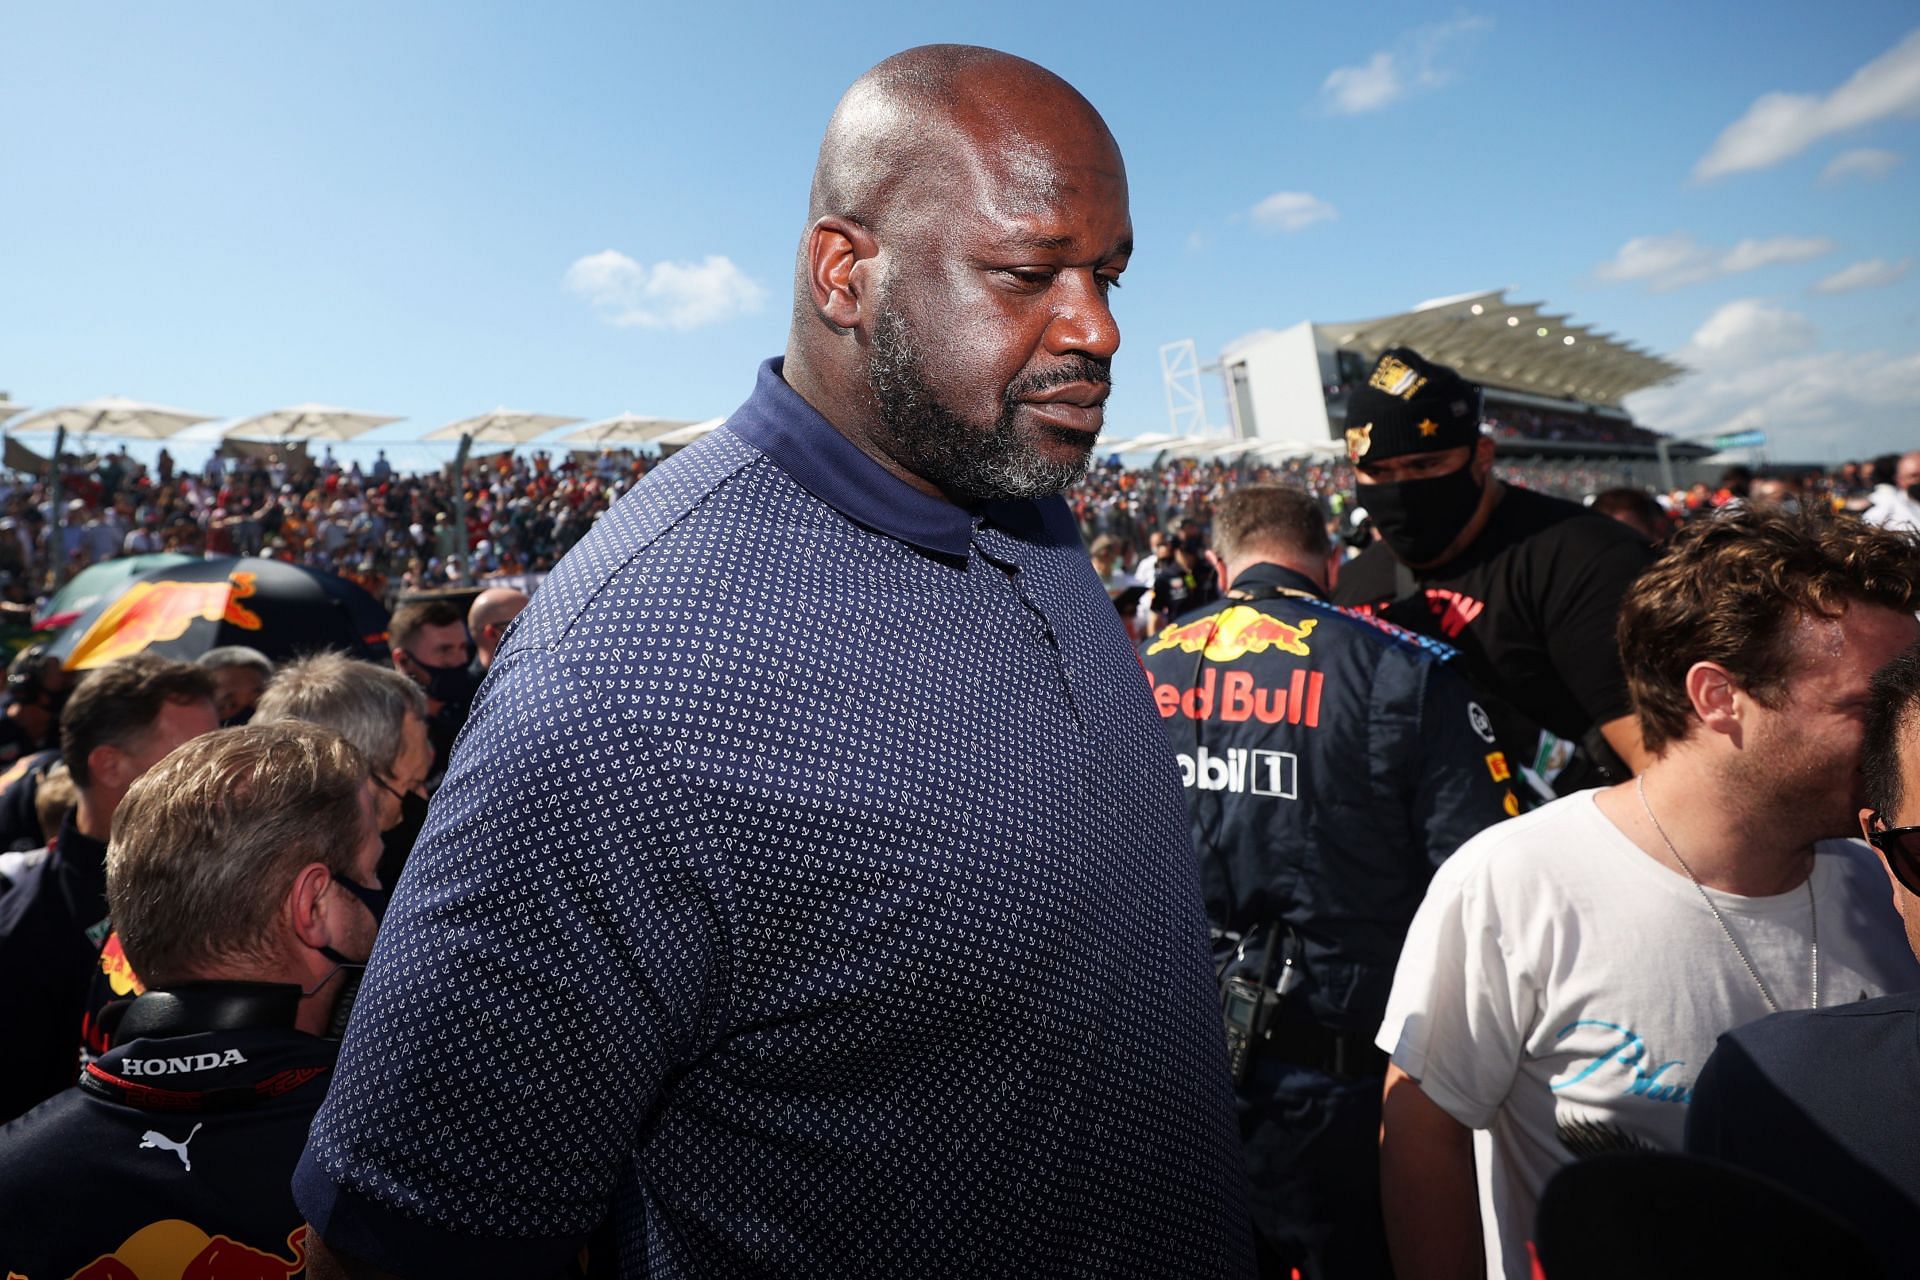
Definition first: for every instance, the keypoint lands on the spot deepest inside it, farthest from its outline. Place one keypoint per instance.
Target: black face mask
(453, 685)
(1913, 491)
(350, 971)
(398, 840)
(1419, 519)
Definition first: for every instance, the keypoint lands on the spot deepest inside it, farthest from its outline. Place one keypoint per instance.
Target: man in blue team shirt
(811, 893)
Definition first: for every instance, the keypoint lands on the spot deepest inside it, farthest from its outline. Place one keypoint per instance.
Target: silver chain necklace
(1813, 919)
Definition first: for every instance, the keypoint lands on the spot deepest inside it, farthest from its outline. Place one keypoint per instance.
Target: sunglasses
(1900, 846)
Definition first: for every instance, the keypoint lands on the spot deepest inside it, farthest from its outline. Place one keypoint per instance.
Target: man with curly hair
(1569, 971)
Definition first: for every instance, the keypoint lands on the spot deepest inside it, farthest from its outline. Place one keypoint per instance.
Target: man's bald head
(910, 120)
(488, 617)
(968, 220)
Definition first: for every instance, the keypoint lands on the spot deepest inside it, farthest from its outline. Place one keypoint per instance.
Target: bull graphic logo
(151, 613)
(1236, 632)
(175, 1250)
(154, 1140)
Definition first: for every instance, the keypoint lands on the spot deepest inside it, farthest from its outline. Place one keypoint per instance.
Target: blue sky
(432, 209)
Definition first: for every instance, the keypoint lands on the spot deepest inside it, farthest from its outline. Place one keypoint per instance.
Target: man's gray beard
(936, 444)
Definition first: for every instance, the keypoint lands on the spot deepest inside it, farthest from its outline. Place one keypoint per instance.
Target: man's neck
(1726, 846)
(93, 817)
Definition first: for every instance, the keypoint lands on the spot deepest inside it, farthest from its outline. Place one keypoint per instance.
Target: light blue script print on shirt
(1630, 1053)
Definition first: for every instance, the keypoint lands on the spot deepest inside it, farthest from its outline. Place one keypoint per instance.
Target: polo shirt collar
(782, 425)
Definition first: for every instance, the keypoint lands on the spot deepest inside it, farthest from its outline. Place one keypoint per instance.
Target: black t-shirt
(1531, 605)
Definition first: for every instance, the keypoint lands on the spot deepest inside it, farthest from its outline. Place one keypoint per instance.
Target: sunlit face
(177, 724)
(409, 776)
(992, 333)
(1804, 756)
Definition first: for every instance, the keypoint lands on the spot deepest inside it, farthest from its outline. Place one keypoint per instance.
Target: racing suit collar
(1275, 575)
(190, 1007)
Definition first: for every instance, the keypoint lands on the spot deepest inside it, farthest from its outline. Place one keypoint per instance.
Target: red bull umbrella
(181, 611)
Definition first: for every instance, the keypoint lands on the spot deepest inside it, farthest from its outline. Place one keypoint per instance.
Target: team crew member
(1569, 971)
(1184, 580)
(1332, 761)
(487, 621)
(1527, 587)
(241, 876)
(431, 647)
(122, 719)
(811, 893)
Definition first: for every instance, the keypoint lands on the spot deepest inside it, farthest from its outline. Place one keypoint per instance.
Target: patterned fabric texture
(811, 901)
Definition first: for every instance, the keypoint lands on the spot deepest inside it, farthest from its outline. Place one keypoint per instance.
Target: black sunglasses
(1900, 846)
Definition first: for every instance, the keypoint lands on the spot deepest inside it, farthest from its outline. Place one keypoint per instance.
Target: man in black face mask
(431, 648)
(1526, 586)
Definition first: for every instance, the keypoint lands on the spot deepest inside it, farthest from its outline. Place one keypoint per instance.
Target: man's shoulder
(1846, 1039)
(1540, 520)
(681, 512)
(1525, 852)
(1366, 578)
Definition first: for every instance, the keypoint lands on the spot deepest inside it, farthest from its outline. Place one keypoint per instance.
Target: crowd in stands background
(394, 531)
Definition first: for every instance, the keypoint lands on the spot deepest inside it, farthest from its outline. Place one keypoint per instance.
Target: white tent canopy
(8, 408)
(625, 429)
(501, 426)
(111, 416)
(307, 422)
(689, 433)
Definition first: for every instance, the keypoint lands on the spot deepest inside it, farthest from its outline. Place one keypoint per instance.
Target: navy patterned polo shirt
(810, 895)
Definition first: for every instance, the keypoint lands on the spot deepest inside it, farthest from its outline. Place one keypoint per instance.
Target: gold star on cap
(1427, 427)
(1359, 440)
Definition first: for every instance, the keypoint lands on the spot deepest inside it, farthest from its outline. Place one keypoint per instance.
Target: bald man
(810, 893)
(487, 620)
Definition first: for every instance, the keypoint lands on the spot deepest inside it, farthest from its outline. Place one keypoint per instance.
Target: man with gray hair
(384, 715)
(242, 876)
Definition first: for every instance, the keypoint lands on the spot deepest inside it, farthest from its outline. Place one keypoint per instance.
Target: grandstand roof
(1514, 345)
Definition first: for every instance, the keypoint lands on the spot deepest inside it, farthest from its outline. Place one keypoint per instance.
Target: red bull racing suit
(1331, 763)
(173, 1155)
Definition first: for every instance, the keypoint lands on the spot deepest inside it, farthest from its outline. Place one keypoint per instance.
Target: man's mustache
(1078, 368)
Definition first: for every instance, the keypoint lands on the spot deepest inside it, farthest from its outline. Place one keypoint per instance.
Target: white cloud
(669, 295)
(1750, 255)
(1781, 125)
(1671, 261)
(1665, 262)
(1412, 65)
(1870, 274)
(1870, 164)
(1757, 366)
(1291, 211)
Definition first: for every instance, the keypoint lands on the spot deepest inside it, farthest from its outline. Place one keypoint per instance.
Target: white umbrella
(624, 428)
(1152, 440)
(8, 408)
(109, 415)
(501, 426)
(1279, 450)
(689, 433)
(307, 422)
(112, 416)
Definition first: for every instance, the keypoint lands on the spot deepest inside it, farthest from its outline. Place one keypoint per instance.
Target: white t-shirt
(1561, 989)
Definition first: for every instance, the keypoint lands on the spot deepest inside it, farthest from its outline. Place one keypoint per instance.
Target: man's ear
(1716, 698)
(1482, 460)
(107, 765)
(840, 254)
(307, 907)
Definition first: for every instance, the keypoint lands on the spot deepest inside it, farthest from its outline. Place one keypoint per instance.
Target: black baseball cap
(1410, 405)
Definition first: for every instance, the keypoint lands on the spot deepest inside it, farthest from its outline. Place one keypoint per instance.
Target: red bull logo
(176, 1250)
(1233, 697)
(151, 613)
(1235, 632)
(119, 970)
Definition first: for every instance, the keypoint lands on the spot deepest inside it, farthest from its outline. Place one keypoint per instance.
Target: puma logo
(153, 1139)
